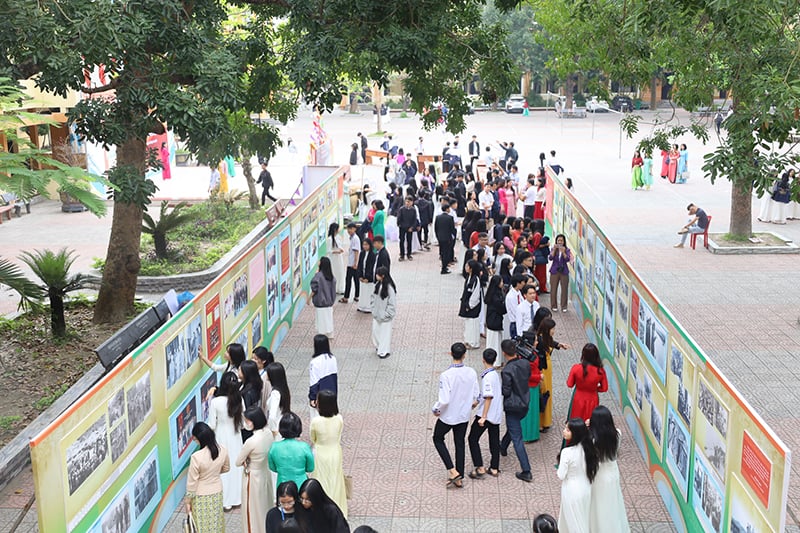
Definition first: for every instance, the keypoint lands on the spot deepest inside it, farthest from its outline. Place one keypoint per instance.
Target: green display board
(116, 459)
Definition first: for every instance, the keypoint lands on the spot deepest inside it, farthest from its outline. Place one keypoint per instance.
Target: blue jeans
(694, 228)
(514, 434)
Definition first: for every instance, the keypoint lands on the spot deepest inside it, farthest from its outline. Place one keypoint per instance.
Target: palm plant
(11, 276)
(166, 223)
(52, 269)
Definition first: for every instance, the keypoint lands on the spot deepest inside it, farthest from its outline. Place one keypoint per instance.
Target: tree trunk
(118, 287)
(57, 321)
(247, 170)
(378, 105)
(160, 244)
(741, 209)
(653, 89)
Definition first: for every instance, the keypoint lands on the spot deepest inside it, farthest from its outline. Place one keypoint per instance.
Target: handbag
(348, 486)
(543, 399)
(188, 525)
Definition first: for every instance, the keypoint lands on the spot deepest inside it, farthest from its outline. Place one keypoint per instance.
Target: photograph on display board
(580, 281)
(297, 282)
(234, 300)
(209, 383)
(273, 283)
(597, 308)
(182, 351)
(712, 428)
(119, 441)
(600, 264)
(117, 518)
(680, 383)
(608, 322)
(678, 442)
(242, 339)
(86, 454)
(139, 402)
(582, 238)
(322, 230)
(286, 272)
(650, 334)
(708, 498)
(621, 350)
(213, 327)
(183, 421)
(590, 238)
(745, 514)
(255, 272)
(145, 486)
(116, 408)
(654, 396)
(255, 328)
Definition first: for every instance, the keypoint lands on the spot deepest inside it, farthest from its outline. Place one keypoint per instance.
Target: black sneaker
(410, 258)
(524, 476)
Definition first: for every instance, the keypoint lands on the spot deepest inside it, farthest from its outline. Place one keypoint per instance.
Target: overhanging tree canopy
(749, 49)
(171, 62)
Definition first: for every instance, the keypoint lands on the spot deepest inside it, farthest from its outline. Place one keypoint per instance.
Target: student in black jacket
(445, 229)
(425, 208)
(382, 258)
(516, 396)
(407, 222)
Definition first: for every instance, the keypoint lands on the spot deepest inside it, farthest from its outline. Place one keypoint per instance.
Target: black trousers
(406, 238)
(459, 434)
(529, 211)
(265, 194)
(352, 277)
(423, 233)
(474, 438)
(446, 253)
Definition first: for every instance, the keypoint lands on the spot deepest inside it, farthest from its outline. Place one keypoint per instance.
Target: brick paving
(742, 310)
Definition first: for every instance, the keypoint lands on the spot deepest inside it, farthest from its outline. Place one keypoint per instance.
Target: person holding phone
(560, 257)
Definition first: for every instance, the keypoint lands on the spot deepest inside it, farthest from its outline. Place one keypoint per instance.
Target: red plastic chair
(693, 239)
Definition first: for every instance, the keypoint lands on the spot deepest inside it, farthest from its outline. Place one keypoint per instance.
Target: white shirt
(513, 299)
(491, 387)
(488, 159)
(458, 390)
(487, 253)
(525, 315)
(530, 195)
(355, 249)
(486, 199)
(541, 194)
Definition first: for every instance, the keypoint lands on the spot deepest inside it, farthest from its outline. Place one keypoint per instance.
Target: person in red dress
(589, 378)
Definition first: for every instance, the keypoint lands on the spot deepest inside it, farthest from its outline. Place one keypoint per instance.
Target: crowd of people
(251, 454)
(782, 201)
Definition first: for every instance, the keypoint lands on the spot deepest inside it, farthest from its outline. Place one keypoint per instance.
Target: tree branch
(103, 88)
(280, 3)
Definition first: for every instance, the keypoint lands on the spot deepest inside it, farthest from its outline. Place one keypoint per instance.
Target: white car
(594, 105)
(515, 104)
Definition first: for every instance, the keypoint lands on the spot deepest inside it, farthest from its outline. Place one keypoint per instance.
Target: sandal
(476, 475)
(455, 481)
(342, 300)
(355, 299)
(493, 472)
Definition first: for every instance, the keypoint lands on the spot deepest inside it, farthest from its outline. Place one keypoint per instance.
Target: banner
(716, 464)
(116, 459)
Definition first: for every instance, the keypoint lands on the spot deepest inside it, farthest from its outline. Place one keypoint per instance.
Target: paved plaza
(742, 310)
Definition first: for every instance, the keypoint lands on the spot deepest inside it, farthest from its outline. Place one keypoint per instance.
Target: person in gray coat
(384, 305)
(323, 294)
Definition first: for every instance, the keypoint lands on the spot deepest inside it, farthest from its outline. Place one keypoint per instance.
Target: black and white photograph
(579, 278)
(712, 409)
(139, 402)
(676, 363)
(648, 387)
(611, 275)
(243, 338)
(182, 350)
(708, 499)
(597, 301)
(117, 518)
(744, 517)
(87, 453)
(656, 422)
(589, 245)
(240, 298)
(208, 384)
(639, 393)
(600, 264)
(608, 321)
(633, 363)
(715, 451)
(622, 310)
(678, 449)
(622, 285)
(256, 330)
(116, 408)
(145, 486)
(653, 337)
(119, 441)
(184, 423)
(621, 344)
(685, 404)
